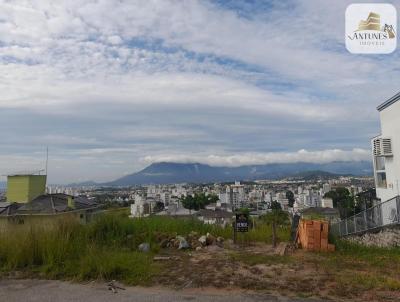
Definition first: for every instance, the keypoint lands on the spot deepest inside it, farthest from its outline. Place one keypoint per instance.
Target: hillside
(166, 173)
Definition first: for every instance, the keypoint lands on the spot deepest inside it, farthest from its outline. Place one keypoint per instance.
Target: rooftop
(46, 204)
(215, 214)
(320, 210)
(389, 102)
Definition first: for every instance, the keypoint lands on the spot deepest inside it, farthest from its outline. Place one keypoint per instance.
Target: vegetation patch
(105, 249)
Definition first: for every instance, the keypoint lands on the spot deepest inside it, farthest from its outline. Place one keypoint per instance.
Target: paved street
(52, 291)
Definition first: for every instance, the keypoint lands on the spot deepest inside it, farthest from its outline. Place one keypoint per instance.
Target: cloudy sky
(112, 85)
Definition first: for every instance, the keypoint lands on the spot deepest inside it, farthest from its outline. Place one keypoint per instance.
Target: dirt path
(51, 291)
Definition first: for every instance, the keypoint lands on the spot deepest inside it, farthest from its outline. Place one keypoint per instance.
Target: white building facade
(386, 150)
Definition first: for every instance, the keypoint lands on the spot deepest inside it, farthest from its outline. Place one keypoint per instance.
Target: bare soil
(257, 267)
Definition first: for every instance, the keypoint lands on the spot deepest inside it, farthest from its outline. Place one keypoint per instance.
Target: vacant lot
(350, 273)
(107, 250)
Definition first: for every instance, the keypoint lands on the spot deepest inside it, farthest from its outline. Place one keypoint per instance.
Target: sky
(111, 86)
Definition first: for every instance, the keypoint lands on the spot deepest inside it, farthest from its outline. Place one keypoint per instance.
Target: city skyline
(111, 87)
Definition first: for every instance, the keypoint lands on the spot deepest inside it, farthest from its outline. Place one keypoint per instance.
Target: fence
(383, 214)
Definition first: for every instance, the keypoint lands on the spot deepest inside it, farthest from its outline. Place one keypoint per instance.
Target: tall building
(235, 195)
(326, 188)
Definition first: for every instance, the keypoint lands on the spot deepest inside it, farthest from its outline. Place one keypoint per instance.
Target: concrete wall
(25, 188)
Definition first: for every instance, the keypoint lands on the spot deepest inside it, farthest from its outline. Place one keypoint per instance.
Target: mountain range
(167, 172)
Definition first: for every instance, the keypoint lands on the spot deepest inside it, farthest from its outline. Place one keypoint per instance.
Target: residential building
(27, 203)
(386, 150)
(327, 202)
(218, 217)
(236, 195)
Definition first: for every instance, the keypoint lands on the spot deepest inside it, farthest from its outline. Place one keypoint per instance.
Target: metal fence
(383, 214)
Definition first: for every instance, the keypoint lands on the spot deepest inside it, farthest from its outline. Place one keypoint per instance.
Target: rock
(183, 244)
(161, 258)
(195, 244)
(210, 239)
(203, 240)
(384, 238)
(174, 243)
(193, 235)
(164, 243)
(199, 248)
(144, 247)
(220, 241)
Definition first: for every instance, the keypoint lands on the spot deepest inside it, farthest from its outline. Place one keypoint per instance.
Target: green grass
(357, 268)
(366, 256)
(104, 249)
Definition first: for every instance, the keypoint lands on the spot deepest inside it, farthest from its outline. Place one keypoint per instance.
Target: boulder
(193, 235)
(174, 243)
(203, 240)
(220, 241)
(210, 239)
(144, 247)
(164, 243)
(183, 244)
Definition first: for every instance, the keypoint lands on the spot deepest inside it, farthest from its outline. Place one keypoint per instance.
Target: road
(59, 291)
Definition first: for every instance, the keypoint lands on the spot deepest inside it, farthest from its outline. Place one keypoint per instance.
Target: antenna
(47, 162)
(47, 157)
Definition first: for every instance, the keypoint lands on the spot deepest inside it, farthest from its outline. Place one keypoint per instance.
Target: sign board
(242, 222)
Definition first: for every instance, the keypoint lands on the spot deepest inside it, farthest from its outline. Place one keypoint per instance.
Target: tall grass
(104, 249)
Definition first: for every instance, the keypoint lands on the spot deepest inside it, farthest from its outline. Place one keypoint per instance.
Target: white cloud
(109, 82)
(115, 39)
(237, 160)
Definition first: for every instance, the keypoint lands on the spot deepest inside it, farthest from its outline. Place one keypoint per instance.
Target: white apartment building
(386, 150)
(326, 188)
(138, 207)
(235, 195)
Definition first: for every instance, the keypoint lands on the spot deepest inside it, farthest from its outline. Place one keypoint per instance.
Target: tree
(290, 198)
(275, 205)
(342, 200)
(159, 206)
(188, 203)
(198, 201)
(276, 217)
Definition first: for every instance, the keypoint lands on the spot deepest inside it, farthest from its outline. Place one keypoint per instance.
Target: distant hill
(310, 175)
(167, 173)
(88, 183)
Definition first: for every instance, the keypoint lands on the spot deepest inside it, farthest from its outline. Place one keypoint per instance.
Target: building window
(380, 163)
(381, 180)
(380, 172)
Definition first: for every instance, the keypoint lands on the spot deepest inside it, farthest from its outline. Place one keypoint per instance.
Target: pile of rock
(384, 238)
(192, 241)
